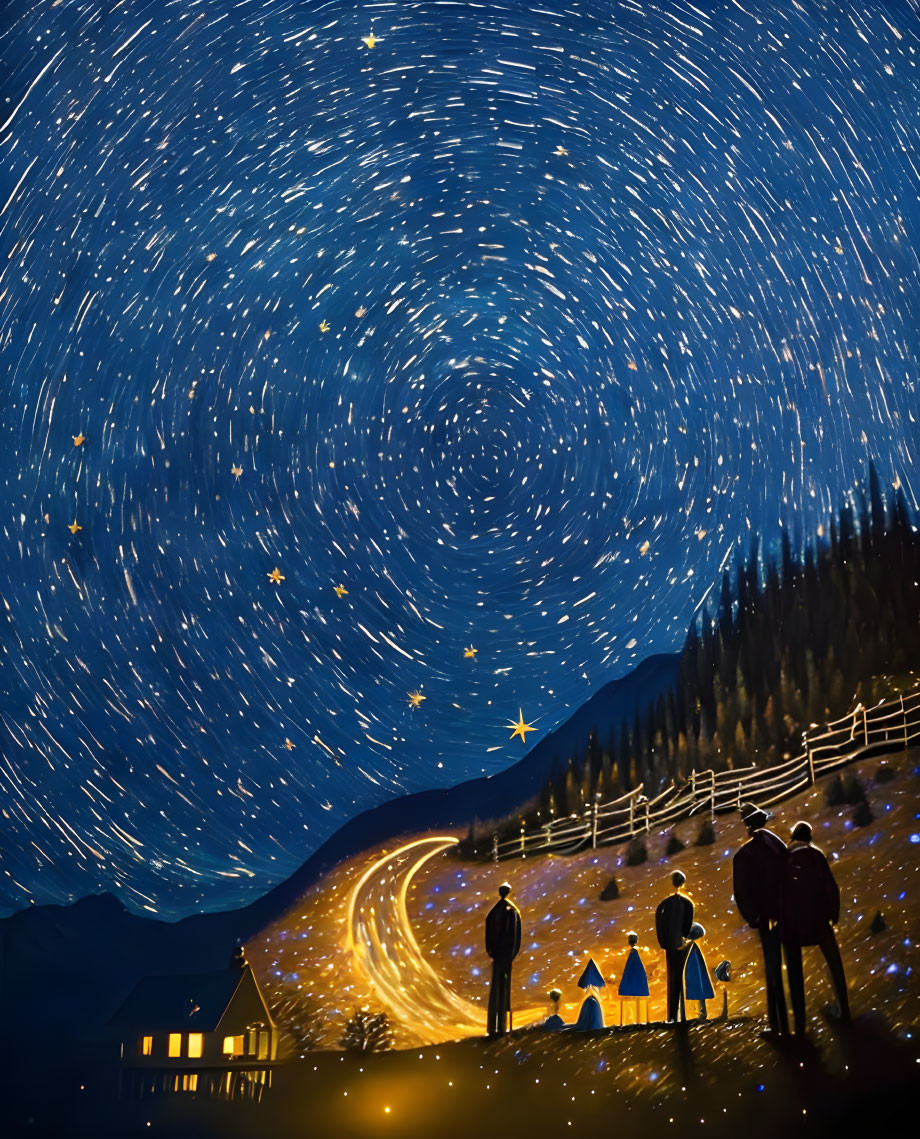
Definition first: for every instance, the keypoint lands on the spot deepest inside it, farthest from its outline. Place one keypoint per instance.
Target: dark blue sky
(515, 324)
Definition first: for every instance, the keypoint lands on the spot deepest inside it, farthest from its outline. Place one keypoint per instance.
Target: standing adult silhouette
(673, 920)
(758, 872)
(811, 909)
(503, 941)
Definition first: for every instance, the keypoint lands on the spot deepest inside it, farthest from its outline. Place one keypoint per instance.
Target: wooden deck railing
(891, 726)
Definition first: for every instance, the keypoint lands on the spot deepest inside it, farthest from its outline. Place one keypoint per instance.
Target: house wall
(246, 1008)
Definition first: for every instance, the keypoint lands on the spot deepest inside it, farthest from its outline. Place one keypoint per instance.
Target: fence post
(546, 836)
(495, 848)
(523, 853)
(647, 827)
(904, 719)
(632, 811)
(712, 795)
(811, 762)
(865, 728)
(693, 785)
(594, 824)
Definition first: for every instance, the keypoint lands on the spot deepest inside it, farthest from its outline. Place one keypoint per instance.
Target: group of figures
(786, 893)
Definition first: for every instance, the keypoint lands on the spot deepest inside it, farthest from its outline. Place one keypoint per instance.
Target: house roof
(191, 1002)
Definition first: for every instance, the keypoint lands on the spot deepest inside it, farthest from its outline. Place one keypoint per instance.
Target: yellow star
(236, 471)
(520, 728)
(469, 653)
(369, 40)
(74, 527)
(360, 312)
(633, 366)
(276, 576)
(288, 744)
(324, 326)
(415, 699)
(79, 440)
(340, 591)
(560, 150)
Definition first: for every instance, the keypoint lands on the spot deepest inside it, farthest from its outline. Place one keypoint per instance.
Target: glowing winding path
(386, 954)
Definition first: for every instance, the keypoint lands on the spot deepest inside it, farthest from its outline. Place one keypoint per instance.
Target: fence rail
(892, 725)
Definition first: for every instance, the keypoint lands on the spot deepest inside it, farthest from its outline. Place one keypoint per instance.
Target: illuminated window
(146, 1045)
(175, 1044)
(264, 1041)
(194, 1044)
(189, 1082)
(233, 1045)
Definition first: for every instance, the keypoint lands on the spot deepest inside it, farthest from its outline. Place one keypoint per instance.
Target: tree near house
(367, 1032)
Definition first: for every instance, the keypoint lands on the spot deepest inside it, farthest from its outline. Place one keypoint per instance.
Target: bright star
(415, 699)
(340, 591)
(520, 728)
(74, 527)
(276, 576)
(470, 652)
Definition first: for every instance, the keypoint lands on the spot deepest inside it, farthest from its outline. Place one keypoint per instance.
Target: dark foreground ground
(714, 1078)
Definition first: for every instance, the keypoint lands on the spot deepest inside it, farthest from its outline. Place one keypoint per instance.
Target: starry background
(512, 321)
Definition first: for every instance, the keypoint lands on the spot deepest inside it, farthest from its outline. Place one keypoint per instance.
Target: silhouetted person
(759, 870)
(673, 920)
(634, 982)
(697, 982)
(811, 909)
(503, 940)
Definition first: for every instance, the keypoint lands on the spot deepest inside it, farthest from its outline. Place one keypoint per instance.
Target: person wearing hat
(673, 920)
(811, 909)
(503, 942)
(758, 873)
(591, 1014)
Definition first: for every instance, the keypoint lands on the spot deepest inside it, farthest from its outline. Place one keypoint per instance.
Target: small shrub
(706, 835)
(885, 773)
(367, 1032)
(610, 891)
(833, 795)
(673, 845)
(878, 923)
(853, 790)
(844, 789)
(862, 816)
(637, 852)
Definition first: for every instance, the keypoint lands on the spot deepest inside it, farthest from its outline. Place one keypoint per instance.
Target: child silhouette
(591, 1014)
(634, 982)
(697, 982)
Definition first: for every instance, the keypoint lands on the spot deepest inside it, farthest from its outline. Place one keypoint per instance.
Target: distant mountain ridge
(68, 967)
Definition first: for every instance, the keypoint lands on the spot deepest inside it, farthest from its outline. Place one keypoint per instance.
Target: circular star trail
(338, 340)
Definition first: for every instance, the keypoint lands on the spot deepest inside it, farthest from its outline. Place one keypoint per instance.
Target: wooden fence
(890, 726)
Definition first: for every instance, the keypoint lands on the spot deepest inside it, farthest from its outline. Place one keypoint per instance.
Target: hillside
(68, 967)
(306, 953)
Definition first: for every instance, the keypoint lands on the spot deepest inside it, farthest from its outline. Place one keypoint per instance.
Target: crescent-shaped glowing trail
(387, 956)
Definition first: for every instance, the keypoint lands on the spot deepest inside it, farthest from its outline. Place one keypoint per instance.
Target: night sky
(511, 321)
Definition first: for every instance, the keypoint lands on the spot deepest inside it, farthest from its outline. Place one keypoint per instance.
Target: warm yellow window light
(146, 1045)
(233, 1045)
(175, 1044)
(194, 1044)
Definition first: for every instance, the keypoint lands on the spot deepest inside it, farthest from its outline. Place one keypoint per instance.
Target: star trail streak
(392, 330)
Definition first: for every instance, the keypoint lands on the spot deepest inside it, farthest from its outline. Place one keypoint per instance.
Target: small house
(197, 1032)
